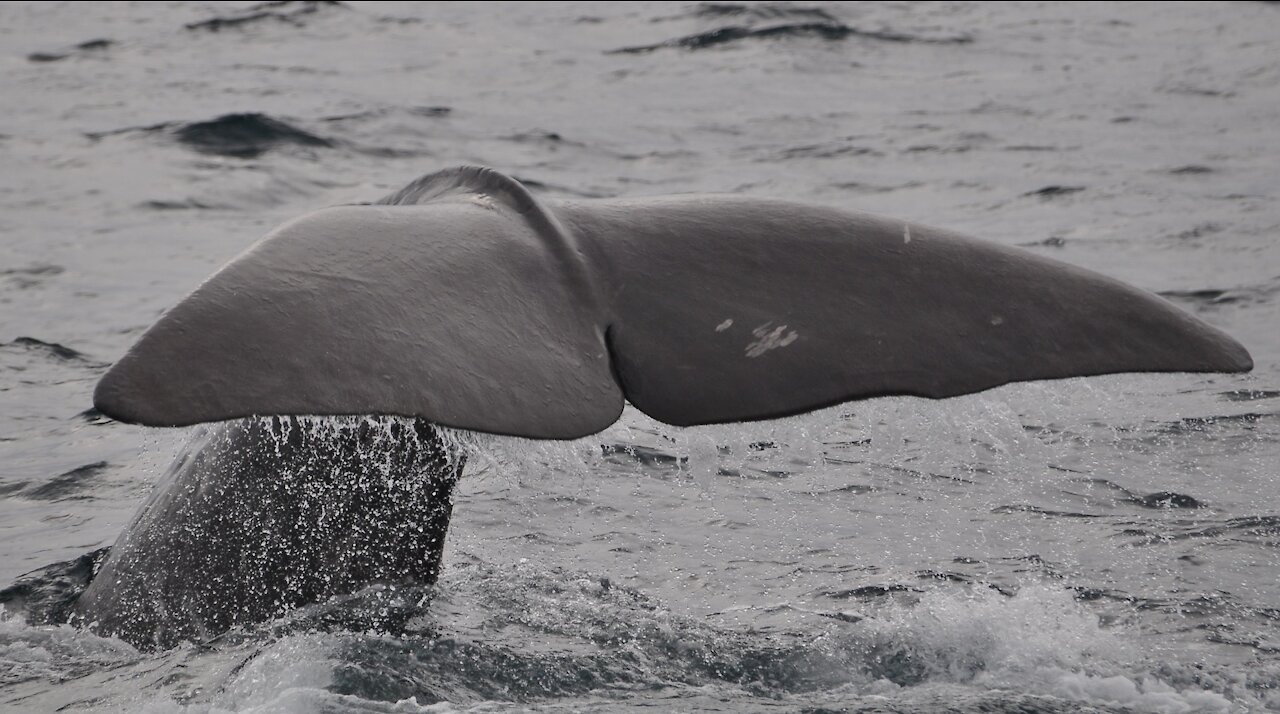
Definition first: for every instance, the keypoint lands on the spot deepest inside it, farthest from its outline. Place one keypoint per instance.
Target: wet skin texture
(259, 516)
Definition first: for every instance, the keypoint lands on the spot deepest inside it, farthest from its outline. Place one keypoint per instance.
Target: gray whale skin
(462, 301)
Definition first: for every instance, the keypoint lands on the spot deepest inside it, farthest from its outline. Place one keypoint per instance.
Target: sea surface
(1107, 544)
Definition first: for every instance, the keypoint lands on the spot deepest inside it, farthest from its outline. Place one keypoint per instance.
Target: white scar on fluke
(465, 302)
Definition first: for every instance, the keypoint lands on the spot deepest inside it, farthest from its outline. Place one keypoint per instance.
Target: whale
(327, 365)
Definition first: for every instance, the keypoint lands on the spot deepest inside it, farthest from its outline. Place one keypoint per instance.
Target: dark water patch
(538, 537)
(834, 568)
(1198, 231)
(937, 149)
(30, 276)
(1037, 510)
(291, 12)
(68, 485)
(1191, 169)
(1084, 593)
(37, 269)
(993, 107)
(1223, 635)
(380, 125)
(613, 659)
(538, 136)
(1253, 527)
(672, 155)
(1163, 500)
(844, 616)
(48, 349)
(1034, 563)
(423, 111)
(395, 610)
(824, 151)
(1167, 500)
(1050, 242)
(902, 470)
(1118, 491)
(945, 575)
(87, 47)
(1032, 147)
(94, 417)
(1100, 482)
(830, 31)
(752, 474)
(1257, 530)
(901, 668)
(857, 489)
(189, 204)
(244, 136)
(1219, 605)
(1205, 296)
(1054, 191)
(147, 129)
(1239, 197)
(459, 670)
(1247, 294)
(1249, 395)
(951, 576)
(859, 187)
(610, 635)
(1199, 424)
(1192, 90)
(768, 11)
(864, 592)
(16, 486)
(430, 111)
(644, 455)
(45, 596)
(388, 152)
(354, 116)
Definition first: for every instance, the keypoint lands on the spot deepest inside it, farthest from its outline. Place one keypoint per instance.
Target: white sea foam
(54, 653)
(1040, 641)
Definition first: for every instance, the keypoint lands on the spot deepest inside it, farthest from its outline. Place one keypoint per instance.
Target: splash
(1041, 640)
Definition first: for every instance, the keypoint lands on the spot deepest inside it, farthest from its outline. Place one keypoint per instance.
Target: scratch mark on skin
(906, 233)
(334, 276)
(725, 325)
(767, 339)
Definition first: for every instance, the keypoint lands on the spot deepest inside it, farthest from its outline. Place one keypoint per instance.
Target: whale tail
(463, 300)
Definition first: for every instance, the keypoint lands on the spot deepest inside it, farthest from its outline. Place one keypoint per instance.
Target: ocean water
(1109, 544)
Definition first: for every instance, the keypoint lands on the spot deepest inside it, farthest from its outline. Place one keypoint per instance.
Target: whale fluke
(465, 301)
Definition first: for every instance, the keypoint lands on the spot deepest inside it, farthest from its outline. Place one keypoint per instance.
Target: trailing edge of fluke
(463, 300)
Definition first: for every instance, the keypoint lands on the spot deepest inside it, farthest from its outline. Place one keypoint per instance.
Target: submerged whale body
(462, 301)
